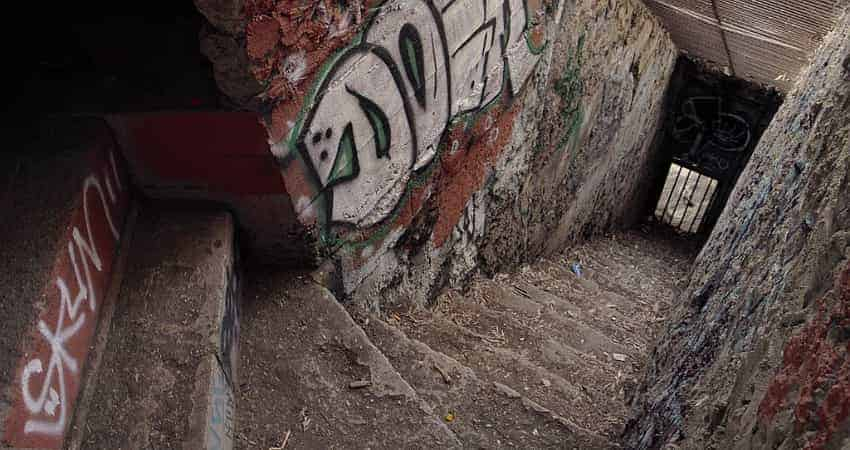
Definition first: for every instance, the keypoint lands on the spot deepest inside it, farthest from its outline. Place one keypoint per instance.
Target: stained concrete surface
(153, 385)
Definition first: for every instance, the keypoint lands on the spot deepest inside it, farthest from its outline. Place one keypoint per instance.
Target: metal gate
(709, 150)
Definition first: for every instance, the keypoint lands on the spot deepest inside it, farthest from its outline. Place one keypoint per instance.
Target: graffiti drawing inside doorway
(714, 126)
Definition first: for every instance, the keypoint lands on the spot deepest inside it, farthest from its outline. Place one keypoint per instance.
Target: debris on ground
(285, 440)
(507, 390)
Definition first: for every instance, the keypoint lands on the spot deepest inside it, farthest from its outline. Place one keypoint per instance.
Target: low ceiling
(766, 41)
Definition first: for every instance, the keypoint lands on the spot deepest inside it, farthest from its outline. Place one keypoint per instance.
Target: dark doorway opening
(712, 126)
(96, 57)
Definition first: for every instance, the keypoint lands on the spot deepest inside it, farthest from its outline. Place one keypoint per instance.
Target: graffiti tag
(381, 108)
(49, 379)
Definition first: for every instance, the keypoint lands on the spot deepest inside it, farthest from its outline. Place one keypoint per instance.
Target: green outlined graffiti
(570, 88)
(379, 110)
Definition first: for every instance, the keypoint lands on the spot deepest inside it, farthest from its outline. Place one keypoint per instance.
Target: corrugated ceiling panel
(766, 63)
(691, 33)
(698, 6)
(766, 38)
(799, 24)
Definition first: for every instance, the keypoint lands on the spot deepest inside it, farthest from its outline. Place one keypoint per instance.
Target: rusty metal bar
(681, 194)
(700, 211)
(672, 190)
(690, 201)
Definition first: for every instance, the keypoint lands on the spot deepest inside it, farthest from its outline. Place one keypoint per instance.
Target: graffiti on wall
(380, 109)
(221, 407)
(49, 379)
(713, 136)
(229, 336)
(220, 430)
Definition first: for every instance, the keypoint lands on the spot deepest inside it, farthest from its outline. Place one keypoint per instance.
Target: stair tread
(153, 386)
(482, 415)
(302, 352)
(585, 334)
(504, 365)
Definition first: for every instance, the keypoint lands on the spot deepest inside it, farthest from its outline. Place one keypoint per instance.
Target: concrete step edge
(206, 330)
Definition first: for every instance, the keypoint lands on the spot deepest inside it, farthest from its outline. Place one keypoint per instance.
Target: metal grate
(686, 198)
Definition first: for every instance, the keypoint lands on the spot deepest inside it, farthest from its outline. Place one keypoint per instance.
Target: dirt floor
(547, 357)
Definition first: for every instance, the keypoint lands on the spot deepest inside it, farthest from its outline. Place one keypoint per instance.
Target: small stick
(285, 440)
(443, 373)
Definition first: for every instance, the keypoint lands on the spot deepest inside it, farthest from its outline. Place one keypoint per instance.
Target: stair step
(309, 372)
(493, 361)
(602, 318)
(63, 223)
(481, 414)
(581, 355)
(583, 339)
(624, 319)
(166, 373)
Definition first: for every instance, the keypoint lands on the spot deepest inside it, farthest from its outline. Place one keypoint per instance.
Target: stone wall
(422, 140)
(756, 355)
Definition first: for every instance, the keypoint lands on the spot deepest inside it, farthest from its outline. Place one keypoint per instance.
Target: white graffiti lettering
(82, 251)
(383, 108)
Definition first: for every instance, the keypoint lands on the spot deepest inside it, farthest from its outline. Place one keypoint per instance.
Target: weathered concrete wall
(757, 353)
(422, 140)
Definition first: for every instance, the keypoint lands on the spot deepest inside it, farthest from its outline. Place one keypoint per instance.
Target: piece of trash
(446, 378)
(522, 292)
(576, 268)
(450, 417)
(359, 384)
(305, 419)
(546, 382)
(619, 357)
(285, 440)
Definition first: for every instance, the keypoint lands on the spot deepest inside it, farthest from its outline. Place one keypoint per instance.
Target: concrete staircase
(544, 358)
(134, 337)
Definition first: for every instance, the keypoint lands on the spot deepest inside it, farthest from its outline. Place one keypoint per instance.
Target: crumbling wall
(422, 140)
(756, 355)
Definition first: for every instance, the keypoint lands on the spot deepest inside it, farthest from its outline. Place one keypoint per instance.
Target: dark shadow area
(713, 123)
(109, 57)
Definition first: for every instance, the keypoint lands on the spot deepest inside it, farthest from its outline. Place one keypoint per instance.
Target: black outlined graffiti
(380, 109)
(229, 337)
(704, 123)
(410, 46)
(713, 136)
